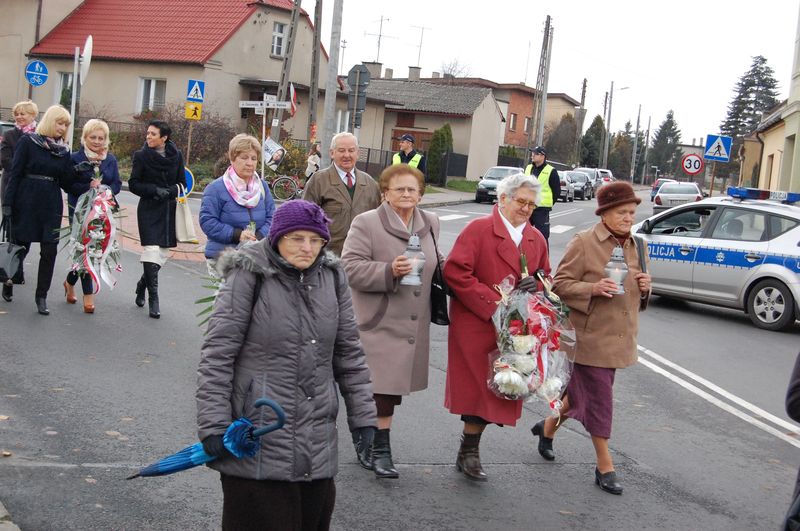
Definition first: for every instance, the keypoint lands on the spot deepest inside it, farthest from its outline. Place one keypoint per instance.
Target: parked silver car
(487, 186)
(567, 187)
(674, 194)
(582, 184)
(730, 251)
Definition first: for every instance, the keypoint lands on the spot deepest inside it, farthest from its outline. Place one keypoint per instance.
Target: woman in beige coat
(606, 324)
(393, 319)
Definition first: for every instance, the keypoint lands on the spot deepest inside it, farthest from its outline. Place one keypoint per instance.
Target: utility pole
(540, 92)
(341, 65)
(283, 86)
(646, 148)
(608, 127)
(313, 87)
(579, 123)
(602, 143)
(332, 83)
(421, 34)
(635, 141)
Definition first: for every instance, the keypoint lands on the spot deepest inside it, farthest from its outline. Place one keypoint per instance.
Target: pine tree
(755, 93)
(441, 144)
(560, 145)
(665, 152)
(592, 142)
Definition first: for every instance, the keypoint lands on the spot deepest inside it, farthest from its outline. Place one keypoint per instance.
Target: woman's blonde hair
(93, 125)
(53, 115)
(242, 143)
(26, 107)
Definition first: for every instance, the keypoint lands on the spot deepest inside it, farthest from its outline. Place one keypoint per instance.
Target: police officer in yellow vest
(550, 191)
(409, 155)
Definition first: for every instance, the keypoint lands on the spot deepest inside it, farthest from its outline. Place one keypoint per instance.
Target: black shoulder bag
(438, 291)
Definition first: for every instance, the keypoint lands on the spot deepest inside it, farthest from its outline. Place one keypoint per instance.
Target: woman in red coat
(487, 251)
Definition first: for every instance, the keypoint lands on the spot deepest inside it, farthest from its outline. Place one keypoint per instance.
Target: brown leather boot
(469, 459)
(88, 303)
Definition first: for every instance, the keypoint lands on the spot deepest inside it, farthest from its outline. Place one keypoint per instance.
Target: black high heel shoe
(608, 482)
(41, 306)
(545, 443)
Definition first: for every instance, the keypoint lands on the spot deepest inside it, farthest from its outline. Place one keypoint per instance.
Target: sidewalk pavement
(5, 520)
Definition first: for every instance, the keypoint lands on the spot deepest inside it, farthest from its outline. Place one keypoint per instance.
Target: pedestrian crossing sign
(718, 148)
(193, 111)
(196, 91)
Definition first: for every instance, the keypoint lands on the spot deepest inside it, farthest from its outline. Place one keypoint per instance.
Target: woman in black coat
(157, 172)
(41, 167)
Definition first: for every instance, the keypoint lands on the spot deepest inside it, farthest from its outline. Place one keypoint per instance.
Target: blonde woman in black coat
(157, 172)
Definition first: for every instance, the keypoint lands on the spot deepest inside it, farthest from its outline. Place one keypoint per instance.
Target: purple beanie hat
(298, 215)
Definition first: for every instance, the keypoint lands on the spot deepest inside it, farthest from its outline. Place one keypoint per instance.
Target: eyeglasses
(522, 203)
(405, 190)
(299, 241)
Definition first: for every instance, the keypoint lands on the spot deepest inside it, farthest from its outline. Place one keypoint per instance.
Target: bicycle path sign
(718, 148)
(36, 73)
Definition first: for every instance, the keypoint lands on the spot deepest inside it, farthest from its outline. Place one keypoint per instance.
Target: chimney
(388, 73)
(448, 76)
(435, 75)
(374, 69)
(413, 73)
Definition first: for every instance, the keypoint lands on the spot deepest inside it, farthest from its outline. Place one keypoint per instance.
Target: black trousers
(541, 220)
(267, 505)
(86, 281)
(47, 264)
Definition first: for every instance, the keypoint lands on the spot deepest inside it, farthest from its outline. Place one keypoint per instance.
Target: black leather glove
(528, 284)
(6, 210)
(83, 166)
(173, 191)
(362, 440)
(213, 445)
(162, 194)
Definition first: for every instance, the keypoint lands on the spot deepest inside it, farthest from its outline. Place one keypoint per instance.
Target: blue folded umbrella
(242, 439)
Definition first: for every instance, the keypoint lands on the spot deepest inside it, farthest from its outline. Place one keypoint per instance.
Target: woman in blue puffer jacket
(236, 207)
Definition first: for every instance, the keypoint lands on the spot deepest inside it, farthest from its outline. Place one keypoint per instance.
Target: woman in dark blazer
(41, 167)
(94, 151)
(157, 172)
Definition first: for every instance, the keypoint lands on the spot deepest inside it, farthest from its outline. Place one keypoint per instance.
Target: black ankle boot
(8, 291)
(151, 279)
(41, 306)
(545, 443)
(141, 286)
(469, 459)
(382, 456)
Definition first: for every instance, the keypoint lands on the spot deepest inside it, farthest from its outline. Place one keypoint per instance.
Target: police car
(741, 251)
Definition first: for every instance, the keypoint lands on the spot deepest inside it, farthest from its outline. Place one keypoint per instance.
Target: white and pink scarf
(251, 195)
(25, 129)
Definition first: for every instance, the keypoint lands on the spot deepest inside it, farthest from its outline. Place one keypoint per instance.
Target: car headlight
(481, 186)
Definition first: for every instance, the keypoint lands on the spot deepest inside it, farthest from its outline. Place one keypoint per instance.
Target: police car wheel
(770, 305)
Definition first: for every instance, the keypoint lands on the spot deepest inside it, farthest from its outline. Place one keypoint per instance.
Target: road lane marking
(560, 229)
(719, 403)
(564, 213)
(451, 217)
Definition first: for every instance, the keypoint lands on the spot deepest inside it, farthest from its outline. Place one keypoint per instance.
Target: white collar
(514, 232)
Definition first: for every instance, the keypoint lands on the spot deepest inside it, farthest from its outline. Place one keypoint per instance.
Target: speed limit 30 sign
(692, 164)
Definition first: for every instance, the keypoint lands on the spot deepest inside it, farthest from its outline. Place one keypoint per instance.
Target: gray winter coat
(292, 343)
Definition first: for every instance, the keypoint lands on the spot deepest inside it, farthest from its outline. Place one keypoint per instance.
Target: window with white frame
(152, 94)
(512, 122)
(278, 39)
(63, 89)
(527, 124)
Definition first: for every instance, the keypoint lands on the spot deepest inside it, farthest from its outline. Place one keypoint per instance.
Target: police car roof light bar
(740, 192)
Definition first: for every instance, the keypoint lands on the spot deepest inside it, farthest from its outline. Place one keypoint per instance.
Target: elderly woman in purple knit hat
(283, 327)
(606, 321)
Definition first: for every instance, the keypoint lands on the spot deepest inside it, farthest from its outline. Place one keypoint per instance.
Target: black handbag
(438, 292)
(11, 255)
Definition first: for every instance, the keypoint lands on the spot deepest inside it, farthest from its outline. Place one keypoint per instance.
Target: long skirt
(591, 398)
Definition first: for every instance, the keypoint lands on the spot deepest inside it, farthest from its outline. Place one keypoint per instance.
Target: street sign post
(36, 73)
(358, 79)
(196, 91)
(718, 148)
(692, 164)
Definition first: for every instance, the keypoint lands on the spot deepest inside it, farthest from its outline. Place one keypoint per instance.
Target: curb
(5, 520)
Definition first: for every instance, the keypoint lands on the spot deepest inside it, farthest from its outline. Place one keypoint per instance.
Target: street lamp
(608, 124)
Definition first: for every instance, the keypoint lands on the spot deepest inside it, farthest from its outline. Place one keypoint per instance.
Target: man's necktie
(350, 182)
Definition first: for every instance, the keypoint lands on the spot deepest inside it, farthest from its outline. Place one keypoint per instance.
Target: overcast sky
(681, 55)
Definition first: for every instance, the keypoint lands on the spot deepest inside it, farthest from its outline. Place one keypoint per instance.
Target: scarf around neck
(92, 156)
(25, 129)
(250, 196)
(56, 147)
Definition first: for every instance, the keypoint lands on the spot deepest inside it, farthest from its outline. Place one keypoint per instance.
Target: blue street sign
(189, 179)
(36, 73)
(196, 91)
(718, 148)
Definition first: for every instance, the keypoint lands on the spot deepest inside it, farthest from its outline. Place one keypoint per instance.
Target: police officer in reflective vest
(409, 155)
(551, 190)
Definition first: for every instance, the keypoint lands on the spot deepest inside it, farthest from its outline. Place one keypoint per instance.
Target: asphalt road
(90, 399)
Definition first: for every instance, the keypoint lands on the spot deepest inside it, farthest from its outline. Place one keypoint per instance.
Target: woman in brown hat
(606, 323)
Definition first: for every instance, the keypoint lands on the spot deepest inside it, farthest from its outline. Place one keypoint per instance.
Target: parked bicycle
(285, 188)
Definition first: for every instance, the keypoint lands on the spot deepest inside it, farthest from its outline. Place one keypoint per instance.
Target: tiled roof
(420, 96)
(172, 31)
